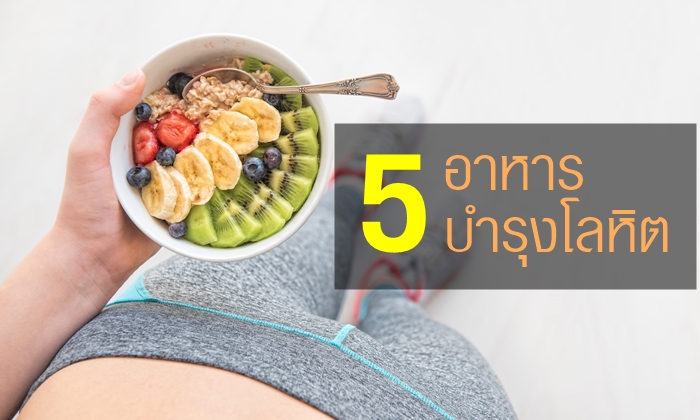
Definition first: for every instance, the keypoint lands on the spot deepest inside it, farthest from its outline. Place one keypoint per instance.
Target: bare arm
(75, 269)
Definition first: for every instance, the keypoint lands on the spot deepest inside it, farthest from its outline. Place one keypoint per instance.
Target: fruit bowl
(191, 56)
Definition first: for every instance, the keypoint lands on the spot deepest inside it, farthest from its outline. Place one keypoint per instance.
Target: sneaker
(428, 267)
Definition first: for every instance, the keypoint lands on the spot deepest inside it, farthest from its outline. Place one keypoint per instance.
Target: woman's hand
(90, 217)
(78, 266)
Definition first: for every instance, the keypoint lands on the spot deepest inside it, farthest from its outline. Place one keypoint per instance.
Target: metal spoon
(380, 85)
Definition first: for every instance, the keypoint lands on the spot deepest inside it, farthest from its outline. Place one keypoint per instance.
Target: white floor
(559, 354)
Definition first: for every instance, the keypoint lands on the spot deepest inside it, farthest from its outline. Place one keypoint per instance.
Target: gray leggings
(272, 318)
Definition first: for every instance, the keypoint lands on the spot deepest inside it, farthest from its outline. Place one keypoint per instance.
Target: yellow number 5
(409, 195)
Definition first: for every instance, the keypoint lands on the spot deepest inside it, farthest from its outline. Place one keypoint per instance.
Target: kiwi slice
(303, 142)
(251, 65)
(246, 190)
(301, 165)
(276, 202)
(292, 188)
(249, 226)
(290, 101)
(299, 119)
(200, 227)
(228, 232)
(270, 220)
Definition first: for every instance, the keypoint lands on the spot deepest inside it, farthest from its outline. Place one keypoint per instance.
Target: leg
(440, 356)
(295, 276)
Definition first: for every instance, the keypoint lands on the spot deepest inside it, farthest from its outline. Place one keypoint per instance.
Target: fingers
(106, 106)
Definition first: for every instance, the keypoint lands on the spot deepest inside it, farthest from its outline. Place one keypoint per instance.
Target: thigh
(438, 355)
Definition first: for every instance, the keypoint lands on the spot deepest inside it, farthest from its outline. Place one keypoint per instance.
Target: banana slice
(236, 129)
(192, 164)
(183, 203)
(265, 115)
(222, 158)
(160, 195)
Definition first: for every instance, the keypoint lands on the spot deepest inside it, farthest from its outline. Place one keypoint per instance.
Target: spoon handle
(380, 85)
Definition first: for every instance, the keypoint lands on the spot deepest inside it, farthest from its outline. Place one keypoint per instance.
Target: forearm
(91, 250)
(51, 294)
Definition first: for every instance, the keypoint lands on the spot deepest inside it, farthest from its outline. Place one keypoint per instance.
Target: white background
(559, 354)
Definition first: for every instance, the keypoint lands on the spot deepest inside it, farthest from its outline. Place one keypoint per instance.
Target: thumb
(101, 119)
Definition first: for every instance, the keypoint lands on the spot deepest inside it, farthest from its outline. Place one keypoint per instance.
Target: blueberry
(143, 111)
(138, 176)
(166, 156)
(272, 99)
(181, 83)
(254, 169)
(272, 158)
(177, 83)
(177, 230)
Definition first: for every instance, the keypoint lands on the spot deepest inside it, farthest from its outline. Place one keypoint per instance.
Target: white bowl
(194, 54)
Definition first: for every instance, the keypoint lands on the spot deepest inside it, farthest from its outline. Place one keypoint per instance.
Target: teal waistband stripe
(140, 294)
(342, 334)
(135, 293)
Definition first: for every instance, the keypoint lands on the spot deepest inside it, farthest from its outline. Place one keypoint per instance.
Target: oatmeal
(207, 97)
(209, 94)
(161, 102)
(263, 77)
(237, 63)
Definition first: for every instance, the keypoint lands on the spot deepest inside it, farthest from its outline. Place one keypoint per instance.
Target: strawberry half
(145, 143)
(176, 131)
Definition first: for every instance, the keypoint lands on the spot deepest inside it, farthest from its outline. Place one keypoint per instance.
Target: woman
(254, 339)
